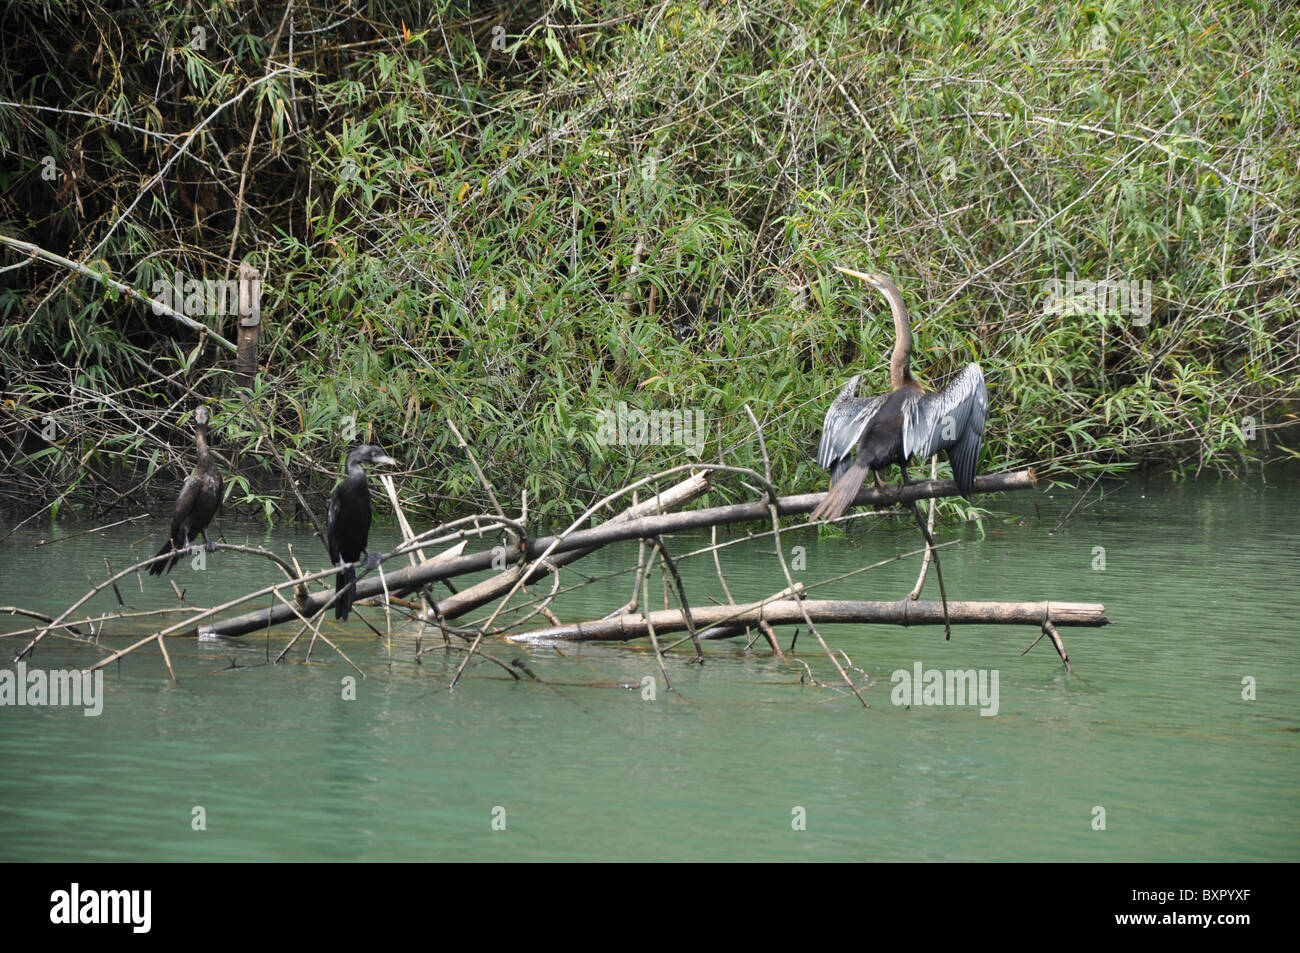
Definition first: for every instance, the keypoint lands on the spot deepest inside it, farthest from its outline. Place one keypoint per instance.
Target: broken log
(404, 581)
(829, 611)
(485, 591)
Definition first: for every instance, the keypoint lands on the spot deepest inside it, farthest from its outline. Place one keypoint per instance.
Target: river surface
(1149, 751)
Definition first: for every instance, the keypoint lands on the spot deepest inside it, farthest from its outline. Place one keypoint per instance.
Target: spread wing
(950, 419)
(846, 420)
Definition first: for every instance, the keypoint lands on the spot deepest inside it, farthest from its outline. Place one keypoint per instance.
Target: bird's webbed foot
(373, 560)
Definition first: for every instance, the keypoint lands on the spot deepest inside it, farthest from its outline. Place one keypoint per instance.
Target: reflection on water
(1152, 727)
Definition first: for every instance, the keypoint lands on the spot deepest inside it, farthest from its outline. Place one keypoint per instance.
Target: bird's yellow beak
(860, 275)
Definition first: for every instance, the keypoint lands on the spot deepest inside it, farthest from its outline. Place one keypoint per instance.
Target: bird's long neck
(900, 364)
(201, 444)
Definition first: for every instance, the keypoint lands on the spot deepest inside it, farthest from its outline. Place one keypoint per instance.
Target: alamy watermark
(627, 426)
(201, 298)
(78, 906)
(39, 687)
(951, 687)
(1108, 296)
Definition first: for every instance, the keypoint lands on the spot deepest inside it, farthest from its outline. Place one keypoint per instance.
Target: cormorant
(862, 435)
(198, 502)
(347, 524)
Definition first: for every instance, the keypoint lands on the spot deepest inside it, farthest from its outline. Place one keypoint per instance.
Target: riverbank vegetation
(527, 217)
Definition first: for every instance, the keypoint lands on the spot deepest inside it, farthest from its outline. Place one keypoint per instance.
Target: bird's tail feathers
(345, 584)
(841, 495)
(158, 568)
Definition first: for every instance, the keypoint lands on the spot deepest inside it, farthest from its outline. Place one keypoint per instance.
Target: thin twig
(776, 533)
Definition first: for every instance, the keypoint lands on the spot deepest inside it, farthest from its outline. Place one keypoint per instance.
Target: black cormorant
(347, 524)
(198, 502)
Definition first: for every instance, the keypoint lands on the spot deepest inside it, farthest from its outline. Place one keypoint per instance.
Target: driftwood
(522, 560)
(483, 592)
(582, 542)
(829, 611)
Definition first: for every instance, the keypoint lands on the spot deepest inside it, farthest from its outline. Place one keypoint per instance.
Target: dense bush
(519, 215)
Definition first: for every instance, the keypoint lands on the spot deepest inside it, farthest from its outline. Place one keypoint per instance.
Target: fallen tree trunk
(829, 611)
(482, 592)
(615, 530)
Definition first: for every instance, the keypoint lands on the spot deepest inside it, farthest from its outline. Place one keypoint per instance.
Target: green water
(1199, 582)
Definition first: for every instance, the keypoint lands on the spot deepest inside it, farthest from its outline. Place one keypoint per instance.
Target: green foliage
(521, 221)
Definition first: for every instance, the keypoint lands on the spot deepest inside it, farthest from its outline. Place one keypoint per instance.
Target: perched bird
(347, 524)
(199, 499)
(864, 435)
